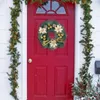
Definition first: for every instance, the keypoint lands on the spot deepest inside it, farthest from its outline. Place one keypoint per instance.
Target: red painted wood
(52, 71)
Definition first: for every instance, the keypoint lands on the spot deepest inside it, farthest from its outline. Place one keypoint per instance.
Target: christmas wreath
(44, 35)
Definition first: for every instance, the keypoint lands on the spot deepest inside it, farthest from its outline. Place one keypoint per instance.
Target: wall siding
(4, 58)
(5, 35)
(96, 36)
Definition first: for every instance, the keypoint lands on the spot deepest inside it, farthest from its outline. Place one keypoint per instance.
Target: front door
(50, 72)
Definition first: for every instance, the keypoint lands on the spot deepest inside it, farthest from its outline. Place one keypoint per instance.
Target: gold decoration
(52, 43)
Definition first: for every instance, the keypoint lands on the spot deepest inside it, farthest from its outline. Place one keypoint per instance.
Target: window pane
(47, 6)
(61, 10)
(40, 11)
(51, 12)
(55, 5)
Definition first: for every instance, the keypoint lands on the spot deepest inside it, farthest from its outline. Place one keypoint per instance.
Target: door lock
(29, 60)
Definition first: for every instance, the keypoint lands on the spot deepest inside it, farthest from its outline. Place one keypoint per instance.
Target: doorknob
(29, 60)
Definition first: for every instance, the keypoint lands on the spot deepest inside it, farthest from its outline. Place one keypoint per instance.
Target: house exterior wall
(5, 35)
(96, 34)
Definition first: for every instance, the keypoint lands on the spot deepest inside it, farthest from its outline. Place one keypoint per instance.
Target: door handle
(29, 60)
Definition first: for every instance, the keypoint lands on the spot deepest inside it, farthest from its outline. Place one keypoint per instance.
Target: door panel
(52, 71)
(40, 81)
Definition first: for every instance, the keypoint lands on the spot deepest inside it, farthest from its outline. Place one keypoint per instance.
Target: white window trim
(24, 47)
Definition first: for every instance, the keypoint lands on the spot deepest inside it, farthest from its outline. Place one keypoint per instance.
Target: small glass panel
(40, 11)
(50, 12)
(47, 6)
(55, 5)
(61, 10)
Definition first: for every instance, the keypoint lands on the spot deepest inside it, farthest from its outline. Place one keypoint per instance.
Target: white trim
(77, 39)
(24, 47)
(24, 51)
(77, 44)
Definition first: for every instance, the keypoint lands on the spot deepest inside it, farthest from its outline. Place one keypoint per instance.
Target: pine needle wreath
(59, 35)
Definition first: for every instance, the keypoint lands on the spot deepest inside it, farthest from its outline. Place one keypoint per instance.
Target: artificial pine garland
(13, 51)
(82, 87)
(43, 2)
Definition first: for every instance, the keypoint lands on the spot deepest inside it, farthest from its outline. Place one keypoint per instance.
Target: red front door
(50, 72)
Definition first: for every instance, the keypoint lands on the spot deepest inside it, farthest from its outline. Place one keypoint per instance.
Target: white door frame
(24, 46)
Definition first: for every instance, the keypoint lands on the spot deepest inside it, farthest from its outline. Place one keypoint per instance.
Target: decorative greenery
(44, 1)
(59, 35)
(83, 87)
(13, 51)
(97, 93)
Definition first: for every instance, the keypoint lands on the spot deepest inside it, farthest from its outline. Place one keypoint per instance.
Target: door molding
(78, 53)
(24, 47)
(24, 51)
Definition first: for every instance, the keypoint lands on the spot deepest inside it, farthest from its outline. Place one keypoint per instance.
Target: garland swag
(13, 51)
(82, 87)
